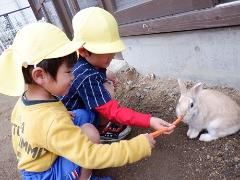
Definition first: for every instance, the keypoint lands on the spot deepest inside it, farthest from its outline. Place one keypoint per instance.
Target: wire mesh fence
(11, 22)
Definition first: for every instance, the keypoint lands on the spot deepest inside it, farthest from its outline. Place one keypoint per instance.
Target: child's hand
(112, 77)
(71, 114)
(110, 88)
(151, 141)
(157, 123)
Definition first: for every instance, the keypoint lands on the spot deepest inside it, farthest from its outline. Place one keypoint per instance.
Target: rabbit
(207, 109)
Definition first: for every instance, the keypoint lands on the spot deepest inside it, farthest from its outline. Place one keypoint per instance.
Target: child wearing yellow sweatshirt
(47, 143)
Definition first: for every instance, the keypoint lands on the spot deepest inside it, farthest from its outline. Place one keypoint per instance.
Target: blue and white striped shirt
(87, 90)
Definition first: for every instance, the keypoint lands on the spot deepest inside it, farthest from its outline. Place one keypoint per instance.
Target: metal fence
(11, 22)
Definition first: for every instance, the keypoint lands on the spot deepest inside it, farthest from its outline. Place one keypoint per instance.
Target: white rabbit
(207, 109)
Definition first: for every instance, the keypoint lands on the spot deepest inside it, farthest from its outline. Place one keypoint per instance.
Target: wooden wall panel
(221, 16)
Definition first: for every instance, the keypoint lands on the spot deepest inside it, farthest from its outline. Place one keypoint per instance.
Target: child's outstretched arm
(67, 140)
(112, 111)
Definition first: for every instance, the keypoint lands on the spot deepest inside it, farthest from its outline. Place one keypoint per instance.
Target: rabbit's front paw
(207, 137)
(192, 133)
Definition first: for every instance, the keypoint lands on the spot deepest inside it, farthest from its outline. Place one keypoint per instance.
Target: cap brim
(113, 47)
(65, 50)
(11, 77)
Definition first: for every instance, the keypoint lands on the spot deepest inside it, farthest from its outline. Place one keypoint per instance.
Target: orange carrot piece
(158, 132)
(164, 129)
(178, 120)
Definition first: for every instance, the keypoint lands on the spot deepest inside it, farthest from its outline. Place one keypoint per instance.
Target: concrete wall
(211, 56)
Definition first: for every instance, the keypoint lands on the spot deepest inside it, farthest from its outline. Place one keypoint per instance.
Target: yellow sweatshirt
(44, 131)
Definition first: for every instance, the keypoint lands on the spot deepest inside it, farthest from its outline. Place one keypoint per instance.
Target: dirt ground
(175, 157)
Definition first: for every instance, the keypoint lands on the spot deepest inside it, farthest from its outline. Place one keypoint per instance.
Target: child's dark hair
(50, 66)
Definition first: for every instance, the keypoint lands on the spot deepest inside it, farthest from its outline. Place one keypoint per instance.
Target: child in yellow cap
(47, 143)
(90, 89)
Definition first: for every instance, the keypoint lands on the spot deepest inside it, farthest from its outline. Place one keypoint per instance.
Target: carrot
(178, 120)
(164, 129)
(158, 132)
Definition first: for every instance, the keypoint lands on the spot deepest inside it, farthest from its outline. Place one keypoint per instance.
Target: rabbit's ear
(182, 86)
(197, 88)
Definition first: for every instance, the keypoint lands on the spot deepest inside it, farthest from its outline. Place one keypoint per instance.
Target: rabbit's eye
(191, 105)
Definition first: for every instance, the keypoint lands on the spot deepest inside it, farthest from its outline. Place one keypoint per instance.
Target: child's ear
(38, 75)
(83, 52)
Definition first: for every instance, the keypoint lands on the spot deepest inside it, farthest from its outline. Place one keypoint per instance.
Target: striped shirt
(87, 90)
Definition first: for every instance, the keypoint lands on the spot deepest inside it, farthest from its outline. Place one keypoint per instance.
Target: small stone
(138, 94)
(145, 90)
(151, 76)
(219, 159)
(142, 96)
(129, 82)
(236, 159)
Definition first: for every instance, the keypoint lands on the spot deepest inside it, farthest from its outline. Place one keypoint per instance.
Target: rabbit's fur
(207, 109)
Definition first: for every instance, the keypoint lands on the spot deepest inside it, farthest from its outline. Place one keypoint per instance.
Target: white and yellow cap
(33, 43)
(98, 30)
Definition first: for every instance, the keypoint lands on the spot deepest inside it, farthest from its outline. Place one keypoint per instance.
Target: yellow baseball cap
(33, 43)
(98, 29)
